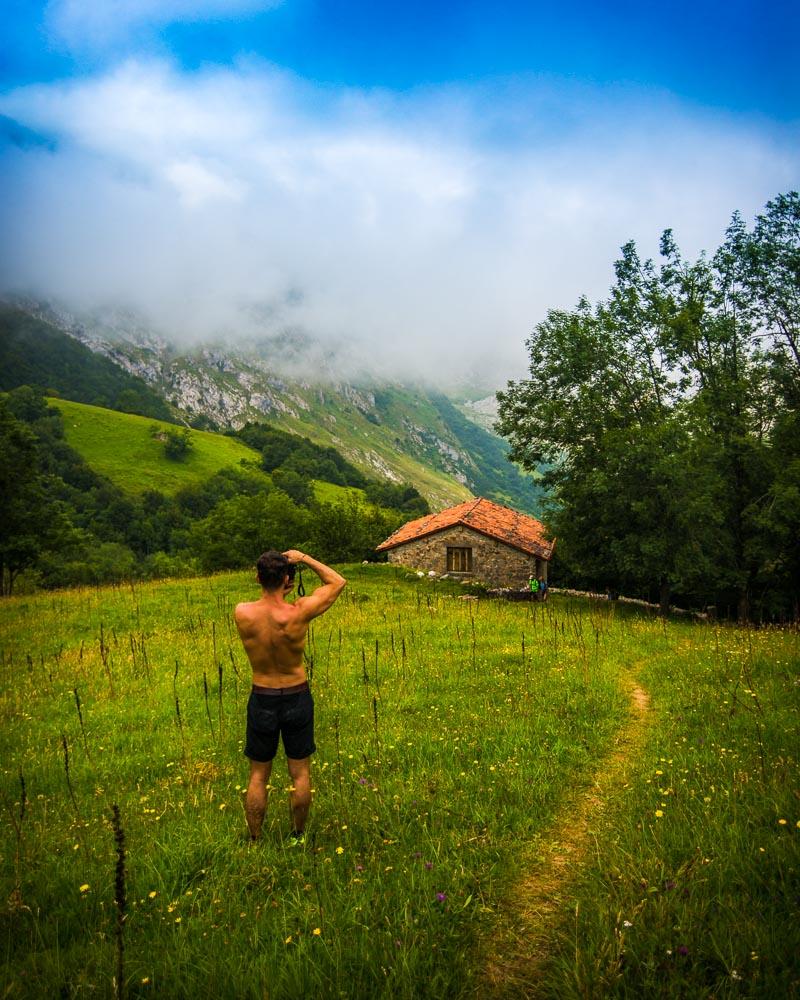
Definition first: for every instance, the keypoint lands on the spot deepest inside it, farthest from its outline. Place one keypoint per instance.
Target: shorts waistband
(294, 689)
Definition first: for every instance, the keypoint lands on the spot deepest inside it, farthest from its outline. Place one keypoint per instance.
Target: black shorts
(270, 716)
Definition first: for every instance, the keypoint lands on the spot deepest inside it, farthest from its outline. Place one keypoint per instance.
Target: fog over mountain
(427, 230)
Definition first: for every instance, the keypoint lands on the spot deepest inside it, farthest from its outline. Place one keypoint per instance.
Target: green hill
(122, 447)
(36, 353)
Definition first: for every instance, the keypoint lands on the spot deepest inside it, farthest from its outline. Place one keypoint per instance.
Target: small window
(459, 560)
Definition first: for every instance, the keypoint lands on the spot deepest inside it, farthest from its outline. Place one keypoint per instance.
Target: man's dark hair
(273, 568)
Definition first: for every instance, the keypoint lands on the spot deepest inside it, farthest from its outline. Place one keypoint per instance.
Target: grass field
(121, 447)
(335, 494)
(452, 735)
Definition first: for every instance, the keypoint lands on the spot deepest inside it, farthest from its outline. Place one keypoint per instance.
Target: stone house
(476, 540)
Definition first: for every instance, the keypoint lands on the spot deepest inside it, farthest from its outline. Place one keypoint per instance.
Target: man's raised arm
(333, 584)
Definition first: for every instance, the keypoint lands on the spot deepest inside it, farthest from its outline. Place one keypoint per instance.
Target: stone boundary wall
(493, 562)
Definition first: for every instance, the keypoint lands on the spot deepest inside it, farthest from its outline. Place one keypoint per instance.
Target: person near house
(543, 588)
(533, 583)
(273, 633)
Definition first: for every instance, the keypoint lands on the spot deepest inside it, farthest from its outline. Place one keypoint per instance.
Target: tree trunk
(664, 595)
(743, 606)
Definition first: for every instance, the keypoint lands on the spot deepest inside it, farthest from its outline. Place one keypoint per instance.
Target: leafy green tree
(773, 275)
(349, 531)
(598, 410)
(298, 487)
(178, 444)
(713, 334)
(31, 520)
(656, 412)
(238, 530)
(398, 496)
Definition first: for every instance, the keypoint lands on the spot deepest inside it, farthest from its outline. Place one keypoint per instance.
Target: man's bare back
(273, 633)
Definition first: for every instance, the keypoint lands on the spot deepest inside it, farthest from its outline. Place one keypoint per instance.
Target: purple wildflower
(428, 865)
(441, 897)
(683, 949)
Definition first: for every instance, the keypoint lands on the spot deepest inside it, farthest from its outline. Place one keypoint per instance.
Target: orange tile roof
(509, 526)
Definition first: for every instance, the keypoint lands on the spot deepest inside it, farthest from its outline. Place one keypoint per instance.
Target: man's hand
(333, 584)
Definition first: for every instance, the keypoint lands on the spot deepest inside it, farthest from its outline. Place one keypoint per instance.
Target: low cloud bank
(434, 229)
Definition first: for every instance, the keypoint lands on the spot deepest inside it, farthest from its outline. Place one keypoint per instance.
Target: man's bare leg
(300, 799)
(255, 805)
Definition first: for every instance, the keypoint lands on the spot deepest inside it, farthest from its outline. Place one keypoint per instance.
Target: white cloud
(196, 184)
(436, 228)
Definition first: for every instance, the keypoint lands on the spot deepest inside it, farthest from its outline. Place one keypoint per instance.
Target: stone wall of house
(493, 562)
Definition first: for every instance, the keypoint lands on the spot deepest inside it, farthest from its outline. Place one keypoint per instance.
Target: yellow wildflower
(85, 887)
(340, 850)
(317, 931)
(659, 813)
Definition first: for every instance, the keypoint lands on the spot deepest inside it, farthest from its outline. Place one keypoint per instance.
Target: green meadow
(334, 494)
(453, 731)
(121, 447)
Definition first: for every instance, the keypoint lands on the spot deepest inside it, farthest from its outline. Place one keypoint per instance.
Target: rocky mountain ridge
(400, 432)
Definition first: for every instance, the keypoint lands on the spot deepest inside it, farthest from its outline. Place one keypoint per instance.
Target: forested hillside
(66, 522)
(36, 353)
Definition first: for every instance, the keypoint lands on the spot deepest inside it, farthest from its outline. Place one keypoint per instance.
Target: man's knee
(260, 772)
(300, 773)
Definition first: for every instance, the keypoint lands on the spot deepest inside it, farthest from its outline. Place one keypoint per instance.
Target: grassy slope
(694, 886)
(406, 433)
(437, 760)
(333, 493)
(375, 448)
(121, 447)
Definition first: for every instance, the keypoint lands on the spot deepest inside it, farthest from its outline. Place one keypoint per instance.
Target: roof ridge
(464, 518)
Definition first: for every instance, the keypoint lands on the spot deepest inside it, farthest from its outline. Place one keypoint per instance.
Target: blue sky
(741, 54)
(382, 171)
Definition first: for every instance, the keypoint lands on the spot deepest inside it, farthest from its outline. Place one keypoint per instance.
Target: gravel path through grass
(519, 943)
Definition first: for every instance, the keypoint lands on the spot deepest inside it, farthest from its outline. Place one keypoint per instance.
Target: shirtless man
(273, 633)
